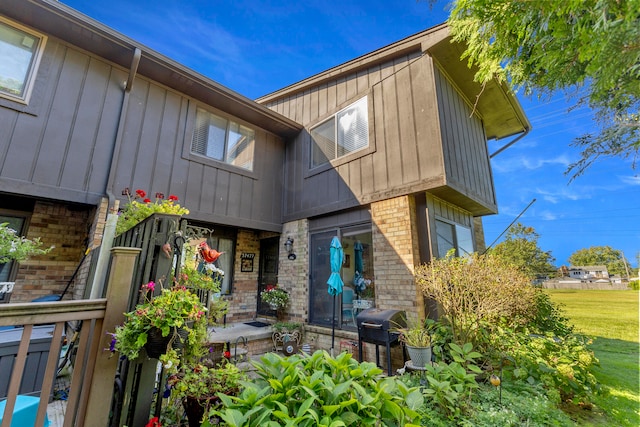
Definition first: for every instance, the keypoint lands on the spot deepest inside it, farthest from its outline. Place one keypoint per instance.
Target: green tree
(601, 255)
(590, 49)
(520, 248)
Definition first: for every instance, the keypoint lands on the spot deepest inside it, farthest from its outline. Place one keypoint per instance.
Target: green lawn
(611, 318)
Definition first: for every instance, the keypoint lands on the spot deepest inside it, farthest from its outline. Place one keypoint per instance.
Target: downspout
(527, 129)
(99, 277)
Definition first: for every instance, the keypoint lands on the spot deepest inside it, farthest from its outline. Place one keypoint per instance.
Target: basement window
(20, 53)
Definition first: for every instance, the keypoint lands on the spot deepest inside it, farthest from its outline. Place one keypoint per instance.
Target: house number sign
(246, 262)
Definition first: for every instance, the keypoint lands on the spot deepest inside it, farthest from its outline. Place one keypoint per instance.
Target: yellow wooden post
(118, 290)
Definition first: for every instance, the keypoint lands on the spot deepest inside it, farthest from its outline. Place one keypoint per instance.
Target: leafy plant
(562, 365)
(286, 326)
(416, 333)
(449, 386)
(515, 405)
(140, 207)
(174, 309)
(319, 390)
(14, 247)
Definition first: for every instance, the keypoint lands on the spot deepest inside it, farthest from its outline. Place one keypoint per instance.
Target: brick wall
(396, 253)
(243, 302)
(293, 274)
(64, 227)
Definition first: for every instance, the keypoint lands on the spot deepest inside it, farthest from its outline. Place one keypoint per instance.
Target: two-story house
(387, 151)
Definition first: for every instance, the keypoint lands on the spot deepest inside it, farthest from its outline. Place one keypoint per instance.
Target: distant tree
(520, 247)
(613, 259)
(590, 49)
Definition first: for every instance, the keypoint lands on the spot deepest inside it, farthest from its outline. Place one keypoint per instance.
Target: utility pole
(624, 260)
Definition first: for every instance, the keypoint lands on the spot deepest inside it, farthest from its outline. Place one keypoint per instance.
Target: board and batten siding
(155, 156)
(466, 156)
(404, 154)
(60, 144)
(422, 136)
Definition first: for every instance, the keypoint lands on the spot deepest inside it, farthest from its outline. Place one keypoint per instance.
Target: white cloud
(630, 180)
(563, 194)
(548, 215)
(529, 163)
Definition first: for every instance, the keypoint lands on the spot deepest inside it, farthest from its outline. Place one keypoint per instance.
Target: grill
(375, 326)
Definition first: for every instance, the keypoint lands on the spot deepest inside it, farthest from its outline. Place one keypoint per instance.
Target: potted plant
(276, 297)
(14, 247)
(416, 336)
(170, 326)
(197, 387)
(140, 207)
(286, 332)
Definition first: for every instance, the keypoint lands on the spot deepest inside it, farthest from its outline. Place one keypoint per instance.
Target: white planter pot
(420, 356)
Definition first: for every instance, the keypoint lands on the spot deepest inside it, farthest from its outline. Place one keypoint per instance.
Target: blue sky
(256, 47)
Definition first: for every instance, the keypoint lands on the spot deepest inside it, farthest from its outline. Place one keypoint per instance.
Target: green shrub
(562, 365)
(513, 406)
(318, 390)
(477, 290)
(448, 387)
(634, 284)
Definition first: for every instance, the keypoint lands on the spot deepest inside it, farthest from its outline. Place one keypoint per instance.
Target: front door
(268, 270)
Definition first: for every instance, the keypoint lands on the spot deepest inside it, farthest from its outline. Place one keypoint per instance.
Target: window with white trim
(224, 140)
(343, 133)
(20, 53)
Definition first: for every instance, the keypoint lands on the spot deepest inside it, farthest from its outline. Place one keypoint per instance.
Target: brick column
(396, 252)
(293, 274)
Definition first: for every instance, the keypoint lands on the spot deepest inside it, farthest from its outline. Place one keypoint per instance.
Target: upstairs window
(20, 52)
(221, 139)
(343, 133)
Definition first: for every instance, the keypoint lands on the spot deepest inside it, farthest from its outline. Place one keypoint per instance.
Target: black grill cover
(377, 326)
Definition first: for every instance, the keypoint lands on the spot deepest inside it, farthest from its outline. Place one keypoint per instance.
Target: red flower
(173, 198)
(154, 422)
(159, 195)
(270, 287)
(227, 355)
(147, 200)
(141, 193)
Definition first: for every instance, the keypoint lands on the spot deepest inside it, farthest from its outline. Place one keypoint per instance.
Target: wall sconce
(289, 247)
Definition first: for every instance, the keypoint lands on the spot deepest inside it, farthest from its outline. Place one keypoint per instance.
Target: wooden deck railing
(92, 378)
(25, 315)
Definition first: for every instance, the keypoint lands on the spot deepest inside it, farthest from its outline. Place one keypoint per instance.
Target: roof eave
(67, 24)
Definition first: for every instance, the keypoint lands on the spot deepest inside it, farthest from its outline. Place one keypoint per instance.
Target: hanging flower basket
(157, 345)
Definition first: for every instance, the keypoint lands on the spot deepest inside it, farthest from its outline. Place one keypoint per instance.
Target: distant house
(387, 151)
(589, 272)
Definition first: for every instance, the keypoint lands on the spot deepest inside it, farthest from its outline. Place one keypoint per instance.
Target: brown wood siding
(156, 137)
(405, 153)
(466, 157)
(59, 145)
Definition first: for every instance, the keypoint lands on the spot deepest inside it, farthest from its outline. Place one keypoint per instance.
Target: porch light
(289, 247)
